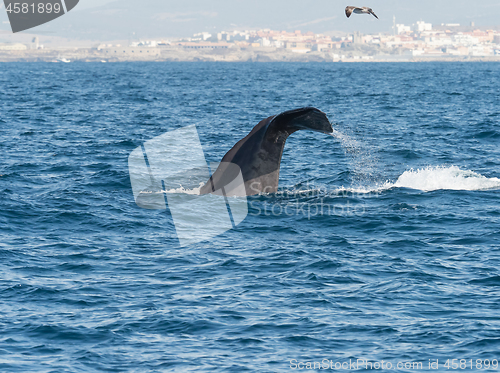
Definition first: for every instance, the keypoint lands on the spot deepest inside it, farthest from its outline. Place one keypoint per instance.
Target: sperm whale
(258, 155)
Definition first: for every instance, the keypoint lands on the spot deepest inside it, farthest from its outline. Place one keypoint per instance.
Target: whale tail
(308, 118)
(258, 155)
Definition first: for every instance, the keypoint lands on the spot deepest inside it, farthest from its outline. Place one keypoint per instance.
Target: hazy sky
(111, 20)
(85, 4)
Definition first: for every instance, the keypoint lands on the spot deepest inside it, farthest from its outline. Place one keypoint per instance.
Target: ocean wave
(180, 190)
(433, 178)
(445, 178)
(426, 179)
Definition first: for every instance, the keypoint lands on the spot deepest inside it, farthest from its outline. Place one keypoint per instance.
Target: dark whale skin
(258, 155)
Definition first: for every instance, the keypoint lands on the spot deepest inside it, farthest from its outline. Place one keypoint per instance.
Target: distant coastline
(417, 43)
(180, 54)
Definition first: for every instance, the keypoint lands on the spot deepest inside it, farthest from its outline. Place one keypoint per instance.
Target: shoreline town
(419, 42)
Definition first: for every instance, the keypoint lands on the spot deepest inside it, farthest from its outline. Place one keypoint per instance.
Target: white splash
(348, 143)
(378, 188)
(364, 165)
(180, 190)
(445, 178)
(425, 179)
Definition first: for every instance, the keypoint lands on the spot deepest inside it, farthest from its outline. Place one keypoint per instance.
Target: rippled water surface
(390, 251)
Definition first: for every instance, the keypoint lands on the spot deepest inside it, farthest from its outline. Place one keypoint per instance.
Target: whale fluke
(258, 155)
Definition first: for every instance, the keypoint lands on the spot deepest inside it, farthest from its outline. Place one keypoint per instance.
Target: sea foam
(445, 178)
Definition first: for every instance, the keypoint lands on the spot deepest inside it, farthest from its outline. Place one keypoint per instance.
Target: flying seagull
(364, 10)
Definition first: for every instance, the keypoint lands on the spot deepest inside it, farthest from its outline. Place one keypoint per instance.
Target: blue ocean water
(402, 264)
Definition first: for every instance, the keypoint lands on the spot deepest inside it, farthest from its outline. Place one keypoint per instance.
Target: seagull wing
(348, 10)
(371, 12)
